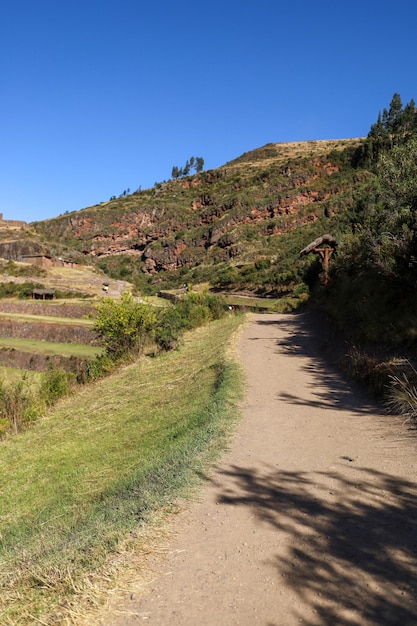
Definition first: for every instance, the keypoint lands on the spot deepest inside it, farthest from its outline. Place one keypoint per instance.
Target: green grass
(46, 319)
(280, 305)
(11, 375)
(93, 472)
(252, 302)
(49, 347)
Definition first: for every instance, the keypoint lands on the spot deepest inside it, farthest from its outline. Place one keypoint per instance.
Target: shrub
(124, 326)
(403, 393)
(193, 310)
(18, 406)
(301, 289)
(262, 264)
(93, 370)
(55, 384)
(169, 326)
(226, 276)
(21, 290)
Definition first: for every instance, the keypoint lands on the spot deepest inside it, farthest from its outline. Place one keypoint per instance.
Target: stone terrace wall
(12, 223)
(74, 311)
(60, 333)
(39, 362)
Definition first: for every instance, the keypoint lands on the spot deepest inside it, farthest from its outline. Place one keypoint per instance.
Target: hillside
(219, 225)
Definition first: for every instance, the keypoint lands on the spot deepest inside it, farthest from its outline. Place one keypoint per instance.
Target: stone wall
(60, 333)
(39, 308)
(39, 362)
(11, 223)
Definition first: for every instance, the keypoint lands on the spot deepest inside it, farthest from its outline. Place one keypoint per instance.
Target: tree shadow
(351, 554)
(311, 335)
(346, 539)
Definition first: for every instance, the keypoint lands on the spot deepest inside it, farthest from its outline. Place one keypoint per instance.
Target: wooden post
(325, 254)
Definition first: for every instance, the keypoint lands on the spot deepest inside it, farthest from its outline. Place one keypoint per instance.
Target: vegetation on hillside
(238, 227)
(375, 271)
(125, 327)
(193, 163)
(371, 296)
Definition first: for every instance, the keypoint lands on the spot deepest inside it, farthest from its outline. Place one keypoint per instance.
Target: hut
(43, 294)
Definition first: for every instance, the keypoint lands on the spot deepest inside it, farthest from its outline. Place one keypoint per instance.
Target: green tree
(388, 236)
(393, 127)
(192, 163)
(397, 172)
(199, 164)
(391, 119)
(124, 326)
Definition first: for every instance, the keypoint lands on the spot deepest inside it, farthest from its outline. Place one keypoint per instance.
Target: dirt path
(311, 517)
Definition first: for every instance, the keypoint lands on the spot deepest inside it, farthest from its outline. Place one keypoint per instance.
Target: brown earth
(311, 516)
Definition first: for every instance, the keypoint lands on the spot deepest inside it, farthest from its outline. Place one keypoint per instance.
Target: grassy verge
(26, 317)
(11, 375)
(278, 305)
(50, 347)
(78, 483)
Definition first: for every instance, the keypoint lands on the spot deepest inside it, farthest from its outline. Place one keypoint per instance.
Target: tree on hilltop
(394, 126)
(193, 163)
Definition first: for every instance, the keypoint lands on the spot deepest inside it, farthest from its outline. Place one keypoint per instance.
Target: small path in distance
(310, 517)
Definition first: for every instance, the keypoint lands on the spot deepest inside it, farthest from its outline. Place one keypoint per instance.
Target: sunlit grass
(279, 305)
(68, 321)
(49, 347)
(81, 480)
(10, 375)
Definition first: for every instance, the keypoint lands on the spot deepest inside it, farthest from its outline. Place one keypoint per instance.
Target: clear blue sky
(101, 96)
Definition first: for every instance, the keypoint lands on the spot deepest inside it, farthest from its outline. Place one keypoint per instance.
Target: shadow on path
(352, 549)
(309, 335)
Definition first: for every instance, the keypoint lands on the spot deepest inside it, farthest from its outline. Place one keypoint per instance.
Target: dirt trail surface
(311, 516)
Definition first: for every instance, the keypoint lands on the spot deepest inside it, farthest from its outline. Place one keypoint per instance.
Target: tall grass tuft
(403, 394)
(55, 384)
(18, 406)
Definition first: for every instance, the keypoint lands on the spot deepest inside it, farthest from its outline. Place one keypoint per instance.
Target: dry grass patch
(11, 375)
(283, 152)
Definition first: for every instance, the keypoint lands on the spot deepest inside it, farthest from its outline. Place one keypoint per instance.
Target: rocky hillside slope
(231, 216)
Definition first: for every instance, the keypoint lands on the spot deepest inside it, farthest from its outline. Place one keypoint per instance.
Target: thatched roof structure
(324, 239)
(43, 294)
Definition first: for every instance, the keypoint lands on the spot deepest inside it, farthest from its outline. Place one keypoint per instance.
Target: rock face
(16, 249)
(179, 222)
